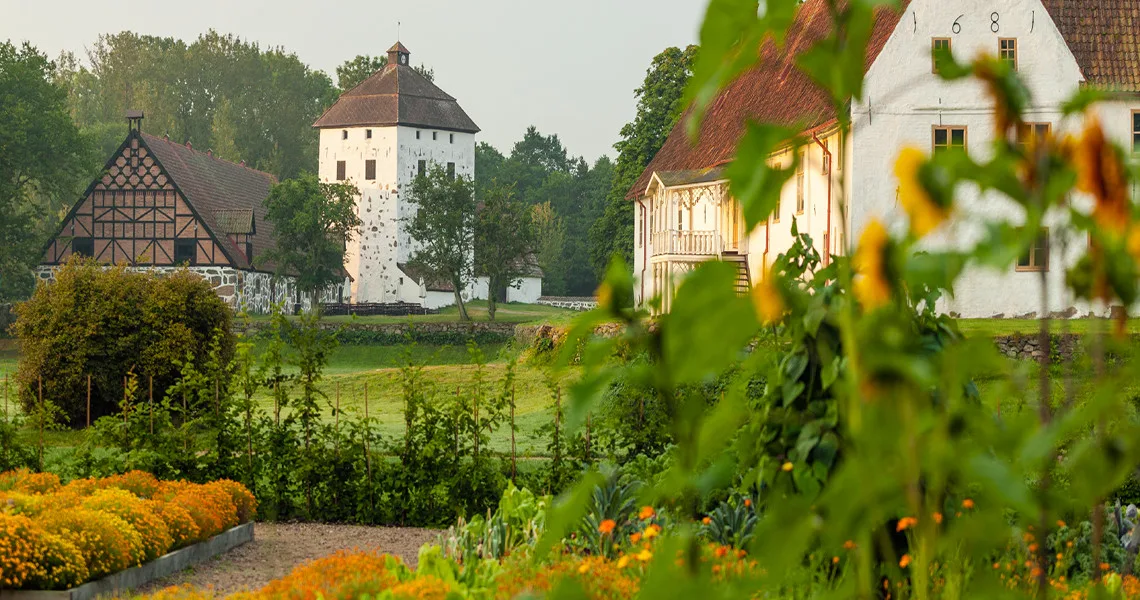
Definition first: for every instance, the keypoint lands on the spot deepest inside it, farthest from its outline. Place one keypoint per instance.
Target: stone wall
(581, 303)
(1028, 346)
(250, 291)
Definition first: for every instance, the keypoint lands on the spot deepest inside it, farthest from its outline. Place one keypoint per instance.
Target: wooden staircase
(743, 279)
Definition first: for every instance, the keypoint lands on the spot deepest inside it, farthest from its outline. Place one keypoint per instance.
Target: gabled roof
(397, 95)
(1103, 35)
(216, 187)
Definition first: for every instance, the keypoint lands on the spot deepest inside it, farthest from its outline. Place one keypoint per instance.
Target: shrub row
(55, 536)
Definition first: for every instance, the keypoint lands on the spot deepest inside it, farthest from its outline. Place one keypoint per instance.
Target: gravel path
(279, 547)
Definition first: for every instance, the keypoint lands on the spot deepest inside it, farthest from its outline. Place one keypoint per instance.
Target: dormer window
(404, 59)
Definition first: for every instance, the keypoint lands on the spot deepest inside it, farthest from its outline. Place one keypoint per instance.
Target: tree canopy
(659, 105)
(312, 222)
(43, 162)
(444, 225)
(504, 242)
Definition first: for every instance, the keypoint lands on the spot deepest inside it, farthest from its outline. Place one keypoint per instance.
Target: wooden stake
(336, 427)
(513, 467)
(367, 457)
(89, 401)
(150, 404)
(40, 382)
(475, 406)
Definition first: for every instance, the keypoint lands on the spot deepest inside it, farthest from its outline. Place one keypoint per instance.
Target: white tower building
(380, 135)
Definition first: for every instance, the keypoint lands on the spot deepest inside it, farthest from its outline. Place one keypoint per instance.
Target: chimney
(166, 136)
(243, 163)
(134, 120)
(210, 152)
(189, 145)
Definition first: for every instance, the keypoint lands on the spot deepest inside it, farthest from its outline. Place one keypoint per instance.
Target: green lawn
(998, 327)
(477, 310)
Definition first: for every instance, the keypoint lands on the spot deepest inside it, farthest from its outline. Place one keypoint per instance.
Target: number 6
(958, 26)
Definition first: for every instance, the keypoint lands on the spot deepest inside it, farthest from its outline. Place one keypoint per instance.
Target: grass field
(998, 327)
(477, 310)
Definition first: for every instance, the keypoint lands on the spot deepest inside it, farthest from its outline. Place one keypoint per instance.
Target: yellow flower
(1101, 173)
(787, 466)
(584, 567)
(647, 512)
(645, 555)
(925, 214)
(768, 301)
(607, 526)
(623, 562)
(652, 531)
(871, 286)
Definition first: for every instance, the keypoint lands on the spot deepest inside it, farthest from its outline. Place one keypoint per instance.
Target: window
(800, 183)
(825, 164)
(434, 135)
(417, 134)
(451, 138)
(83, 246)
(340, 169)
(946, 138)
(344, 134)
(370, 170)
(1007, 51)
(1033, 133)
(185, 252)
(1037, 257)
(421, 168)
(937, 46)
(1136, 131)
(367, 134)
(451, 170)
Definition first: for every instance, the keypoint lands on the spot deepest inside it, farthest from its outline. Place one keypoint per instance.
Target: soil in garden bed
(277, 548)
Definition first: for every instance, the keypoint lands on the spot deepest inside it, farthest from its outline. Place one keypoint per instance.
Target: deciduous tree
(659, 105)
(312, 223)
(42, 159)
(444, 228)
(504, 242)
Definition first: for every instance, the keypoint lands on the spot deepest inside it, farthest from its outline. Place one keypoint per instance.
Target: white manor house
(684, 213)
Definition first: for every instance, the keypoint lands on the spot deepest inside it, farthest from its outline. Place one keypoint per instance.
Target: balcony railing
(698, 243)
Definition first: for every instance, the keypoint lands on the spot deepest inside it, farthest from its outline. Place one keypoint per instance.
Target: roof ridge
(207, 154)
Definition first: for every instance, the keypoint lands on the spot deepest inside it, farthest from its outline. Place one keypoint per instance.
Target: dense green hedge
(108, 323)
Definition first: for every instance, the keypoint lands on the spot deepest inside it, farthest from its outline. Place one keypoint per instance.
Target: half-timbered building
(161, 205)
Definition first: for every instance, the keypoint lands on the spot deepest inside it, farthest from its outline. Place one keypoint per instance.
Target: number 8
(958, 26)
(994, 26)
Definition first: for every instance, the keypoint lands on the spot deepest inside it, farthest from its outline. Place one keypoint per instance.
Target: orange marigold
(607, 526)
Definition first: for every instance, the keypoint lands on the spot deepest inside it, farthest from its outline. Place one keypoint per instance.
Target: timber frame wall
(134, 213)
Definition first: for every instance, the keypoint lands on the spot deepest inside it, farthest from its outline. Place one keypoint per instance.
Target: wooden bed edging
(134, 577)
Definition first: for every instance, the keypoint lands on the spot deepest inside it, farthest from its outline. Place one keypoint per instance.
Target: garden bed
(130, 579)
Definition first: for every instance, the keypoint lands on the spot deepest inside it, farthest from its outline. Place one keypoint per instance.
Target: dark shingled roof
(1104, 36)
(216, 187)
(397, 95)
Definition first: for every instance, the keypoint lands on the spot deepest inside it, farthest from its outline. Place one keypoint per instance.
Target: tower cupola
(398, 55)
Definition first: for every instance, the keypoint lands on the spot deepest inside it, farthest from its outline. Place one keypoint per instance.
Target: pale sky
(568, 67)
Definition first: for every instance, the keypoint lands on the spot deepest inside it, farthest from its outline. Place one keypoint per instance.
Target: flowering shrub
(57, 537)
(139, 513)
(23, 480)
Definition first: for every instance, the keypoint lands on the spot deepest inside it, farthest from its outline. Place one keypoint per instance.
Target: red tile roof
(1104, 36)
(397, 95)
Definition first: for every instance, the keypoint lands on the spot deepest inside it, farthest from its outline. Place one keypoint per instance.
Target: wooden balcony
(691, 243)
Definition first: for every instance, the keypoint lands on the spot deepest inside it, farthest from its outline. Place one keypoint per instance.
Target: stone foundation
(253, 292)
